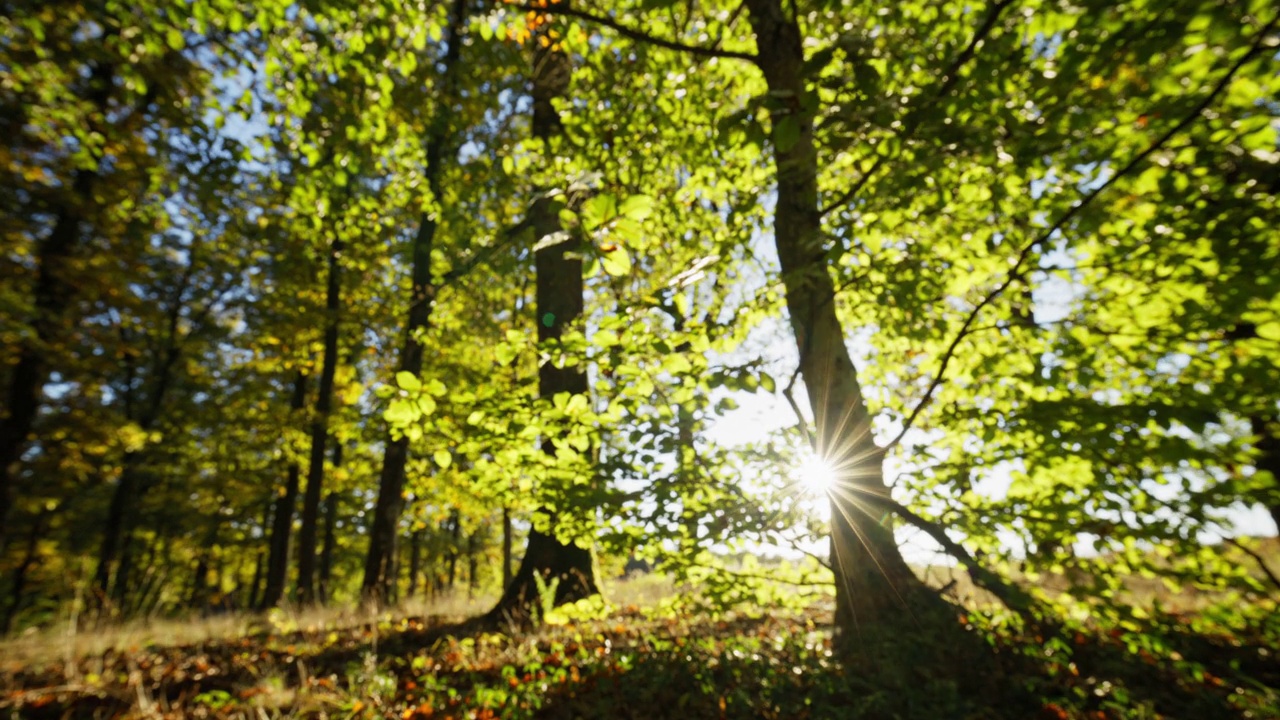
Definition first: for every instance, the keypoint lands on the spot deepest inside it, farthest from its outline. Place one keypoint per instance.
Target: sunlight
(816, 475)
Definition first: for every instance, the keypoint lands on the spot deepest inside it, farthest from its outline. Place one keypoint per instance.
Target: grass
(641, 660)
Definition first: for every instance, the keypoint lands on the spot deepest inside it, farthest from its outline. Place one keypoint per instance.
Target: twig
(1262, 563)
(1016, 272)
(634, 33)
(910, 123)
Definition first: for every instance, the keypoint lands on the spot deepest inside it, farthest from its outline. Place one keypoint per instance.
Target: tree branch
(911, 122)
(1262, 562)
(634, 33)
(1014, 597)
(1017, 271)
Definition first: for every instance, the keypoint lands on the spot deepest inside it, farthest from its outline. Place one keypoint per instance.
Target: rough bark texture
(379, 569)
(874, 585)
(282, 523)
(309, 532)
(559, 303)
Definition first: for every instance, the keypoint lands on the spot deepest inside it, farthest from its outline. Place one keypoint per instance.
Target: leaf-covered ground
(646, 664)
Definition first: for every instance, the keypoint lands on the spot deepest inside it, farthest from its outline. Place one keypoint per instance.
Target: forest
(640, 359)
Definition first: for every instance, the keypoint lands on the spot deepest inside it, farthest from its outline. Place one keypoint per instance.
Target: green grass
(644, 660)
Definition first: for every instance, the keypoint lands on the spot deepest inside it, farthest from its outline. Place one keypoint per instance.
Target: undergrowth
(661, 663)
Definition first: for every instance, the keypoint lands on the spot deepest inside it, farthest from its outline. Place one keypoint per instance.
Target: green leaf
(426, 404)
(767, 382)
(173, 36)
(616, 261)
(576, 405)
(598, 210)
(400, 413)
(408, 381)
(443, 458)
(637, 207)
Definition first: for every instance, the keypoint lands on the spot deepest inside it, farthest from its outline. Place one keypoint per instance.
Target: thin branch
(1014, 597)
(1016, 272)
(800, 421)
(761, 576)
(634, 33)
(504, 239)
(1262, 562)
(911, 122)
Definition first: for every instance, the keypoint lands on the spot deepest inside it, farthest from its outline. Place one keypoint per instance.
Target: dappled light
(725, 359)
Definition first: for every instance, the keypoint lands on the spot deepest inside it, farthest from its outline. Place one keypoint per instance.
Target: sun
(816, 475)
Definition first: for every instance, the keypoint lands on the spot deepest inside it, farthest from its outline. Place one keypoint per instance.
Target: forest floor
(642, 660)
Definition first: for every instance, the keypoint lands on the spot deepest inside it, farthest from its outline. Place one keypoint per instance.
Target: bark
(379, 569)
(308, 533)
(258, 565)
(507, 532)
(455, 528)
(19, 580)
(473, 562)
(282, 523)
(326, 552)
(558, 294)
(415, 563)
(874, 585)
(256, 584)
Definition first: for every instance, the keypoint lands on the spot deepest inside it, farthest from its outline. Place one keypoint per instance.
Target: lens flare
(816, 476)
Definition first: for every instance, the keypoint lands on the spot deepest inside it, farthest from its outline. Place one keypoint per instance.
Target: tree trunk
(282, 523)
(54, 296)
(559, 303)
(473, 562)
(113, 529)
(326, 553)
(130, 490)
(308, 533)
(507, 531)
(874, 586)
(258, 565)
(455, 528)
(415, 563)
(19, 580)
(379, 569)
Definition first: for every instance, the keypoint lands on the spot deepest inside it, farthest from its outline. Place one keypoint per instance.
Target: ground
(645, 660)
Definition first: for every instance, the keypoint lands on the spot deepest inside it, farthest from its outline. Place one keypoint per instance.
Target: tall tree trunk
(326, 552)
(559, 303)
(473, 562)
(1265, 427)
(258, 565)
(54, 296)
(129, 490)
(19, 580)
(113, 529)
(379, 569)
(455, 529)
(415, 563)
(282, 523)
(308, 533)
(507, 532)
(874, 585)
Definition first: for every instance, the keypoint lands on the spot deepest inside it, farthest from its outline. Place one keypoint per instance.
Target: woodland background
(340, 305)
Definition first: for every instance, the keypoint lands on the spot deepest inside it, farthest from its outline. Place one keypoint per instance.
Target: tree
(380, 574)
